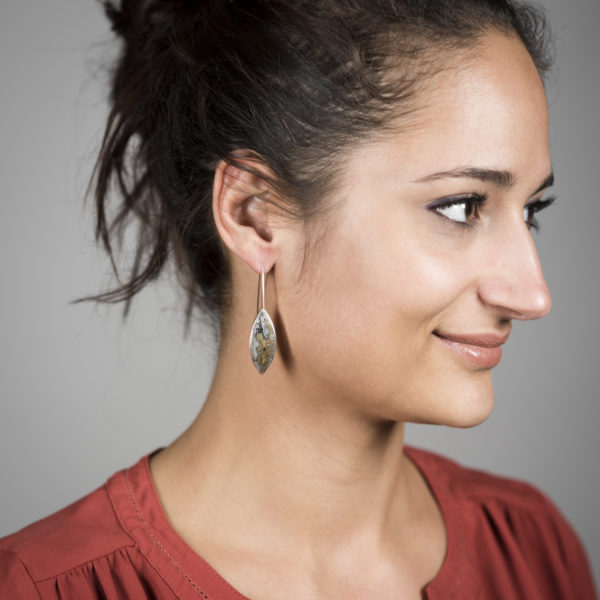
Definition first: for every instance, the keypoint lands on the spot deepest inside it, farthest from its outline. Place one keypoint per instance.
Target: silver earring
(263, 342)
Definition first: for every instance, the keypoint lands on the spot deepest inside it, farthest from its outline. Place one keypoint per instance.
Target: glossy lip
(485, 340)
(482, 349)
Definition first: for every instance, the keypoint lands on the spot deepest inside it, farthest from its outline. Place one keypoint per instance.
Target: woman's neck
(275, 460)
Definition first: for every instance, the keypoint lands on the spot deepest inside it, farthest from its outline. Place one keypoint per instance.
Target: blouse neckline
(138, 507)
(457, 577)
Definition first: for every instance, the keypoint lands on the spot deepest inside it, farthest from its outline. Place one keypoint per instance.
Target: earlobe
(241, 212)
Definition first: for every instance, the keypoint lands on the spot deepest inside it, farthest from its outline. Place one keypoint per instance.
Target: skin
(300, 472)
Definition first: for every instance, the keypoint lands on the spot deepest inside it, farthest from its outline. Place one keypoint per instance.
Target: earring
(263, 342)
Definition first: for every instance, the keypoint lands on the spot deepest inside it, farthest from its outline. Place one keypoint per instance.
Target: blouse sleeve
(15, 582)
(571, 554)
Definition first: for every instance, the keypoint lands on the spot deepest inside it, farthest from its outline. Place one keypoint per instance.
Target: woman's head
(294, 83)
(325, 115)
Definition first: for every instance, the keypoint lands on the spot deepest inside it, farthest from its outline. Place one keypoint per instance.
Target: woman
(376, 167)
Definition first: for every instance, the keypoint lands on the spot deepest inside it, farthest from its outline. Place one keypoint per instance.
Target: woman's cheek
(423, 281)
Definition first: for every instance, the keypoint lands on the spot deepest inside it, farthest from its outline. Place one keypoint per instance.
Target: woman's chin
(470, 407)
(466, 406)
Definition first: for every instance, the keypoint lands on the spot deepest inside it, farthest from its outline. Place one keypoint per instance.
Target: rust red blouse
(506, 540)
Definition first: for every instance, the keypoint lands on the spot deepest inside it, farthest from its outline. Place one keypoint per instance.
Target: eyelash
(478, 200)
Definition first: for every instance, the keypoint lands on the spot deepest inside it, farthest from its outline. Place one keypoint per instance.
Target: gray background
(83, 397)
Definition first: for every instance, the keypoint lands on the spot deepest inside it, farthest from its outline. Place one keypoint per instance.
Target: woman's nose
(512, 280)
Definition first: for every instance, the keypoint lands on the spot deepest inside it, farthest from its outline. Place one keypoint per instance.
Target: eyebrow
(502, 179)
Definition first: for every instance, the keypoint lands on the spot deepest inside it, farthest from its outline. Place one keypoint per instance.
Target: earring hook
(261, 286)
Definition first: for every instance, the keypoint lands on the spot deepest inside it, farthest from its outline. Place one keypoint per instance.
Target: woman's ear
(243, 213)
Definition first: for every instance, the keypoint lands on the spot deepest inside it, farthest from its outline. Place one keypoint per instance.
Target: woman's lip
(485, 340)
(482, 356)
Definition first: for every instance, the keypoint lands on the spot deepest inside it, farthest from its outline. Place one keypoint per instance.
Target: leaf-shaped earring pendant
(263, 342)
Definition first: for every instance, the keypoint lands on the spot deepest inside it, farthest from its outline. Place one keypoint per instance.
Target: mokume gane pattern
(263, 342)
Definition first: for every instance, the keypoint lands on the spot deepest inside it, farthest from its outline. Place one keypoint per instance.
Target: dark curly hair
(294, 84)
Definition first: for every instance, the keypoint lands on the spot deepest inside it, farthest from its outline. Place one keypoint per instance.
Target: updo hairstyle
(291, 84)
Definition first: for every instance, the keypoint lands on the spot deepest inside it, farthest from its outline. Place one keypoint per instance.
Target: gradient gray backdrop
(83, 397)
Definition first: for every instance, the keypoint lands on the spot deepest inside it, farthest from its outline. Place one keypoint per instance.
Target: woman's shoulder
(74, 548)
(504, 523)
(478, 485)
(87, 527)
(514, 500)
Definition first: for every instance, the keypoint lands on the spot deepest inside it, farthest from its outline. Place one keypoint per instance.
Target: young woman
(374, 168)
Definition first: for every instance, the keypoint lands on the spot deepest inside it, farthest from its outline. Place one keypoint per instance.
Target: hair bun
(120, 18)
(142, 17)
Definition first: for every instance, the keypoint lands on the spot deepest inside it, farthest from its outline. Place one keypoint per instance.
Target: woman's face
(392, 271)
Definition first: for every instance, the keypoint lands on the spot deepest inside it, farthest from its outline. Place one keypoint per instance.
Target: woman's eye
(534, 207)
(465, 210)
(460, 209)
